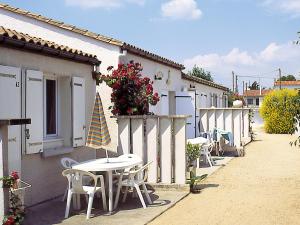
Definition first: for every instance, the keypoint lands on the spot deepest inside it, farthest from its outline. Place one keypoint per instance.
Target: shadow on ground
(131, 212)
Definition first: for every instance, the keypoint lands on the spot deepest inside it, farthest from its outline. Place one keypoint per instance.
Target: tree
(201, 73)
(287, 78)
(254, 86)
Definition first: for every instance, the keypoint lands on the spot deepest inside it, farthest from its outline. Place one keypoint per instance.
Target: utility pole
(236, 84)
(232, 81)
(243, 87)
(279, 70)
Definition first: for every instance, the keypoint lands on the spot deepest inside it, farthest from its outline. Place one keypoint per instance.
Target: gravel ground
(261, 188)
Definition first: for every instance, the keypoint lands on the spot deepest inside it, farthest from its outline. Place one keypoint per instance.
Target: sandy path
(261, 188)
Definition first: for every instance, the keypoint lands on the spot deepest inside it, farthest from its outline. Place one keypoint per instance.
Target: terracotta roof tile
(12, 34)
(205, 82)
(149, 55)
(287, 83)
(256, 93)
(131, 48)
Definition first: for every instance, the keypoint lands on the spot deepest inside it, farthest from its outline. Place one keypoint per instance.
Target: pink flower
(14, 175)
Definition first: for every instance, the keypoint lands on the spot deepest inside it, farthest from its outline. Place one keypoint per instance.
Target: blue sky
(251, 37)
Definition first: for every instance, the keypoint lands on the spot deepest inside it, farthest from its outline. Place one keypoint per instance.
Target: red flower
(129, 111)
(10, 221)
(14, 175)
(116, 85)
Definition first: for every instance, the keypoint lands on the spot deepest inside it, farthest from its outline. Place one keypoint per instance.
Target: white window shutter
(34, 110)
(164, 103)
(78, 111)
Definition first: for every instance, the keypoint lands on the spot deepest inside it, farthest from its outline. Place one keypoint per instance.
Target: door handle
(14, 139)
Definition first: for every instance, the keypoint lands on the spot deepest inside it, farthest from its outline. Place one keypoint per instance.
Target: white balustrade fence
(235, 120)
(157, 139)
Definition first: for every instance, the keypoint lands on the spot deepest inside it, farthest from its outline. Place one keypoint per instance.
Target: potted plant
(16, 211)
(194, 181)
(192, 152)
(131, 93)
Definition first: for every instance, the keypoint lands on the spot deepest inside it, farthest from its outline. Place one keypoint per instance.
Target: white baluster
(166, 149)
(180, 150)
(152, 147)
(124, 135)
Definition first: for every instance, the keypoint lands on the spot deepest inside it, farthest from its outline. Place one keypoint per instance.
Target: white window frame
(50, 77)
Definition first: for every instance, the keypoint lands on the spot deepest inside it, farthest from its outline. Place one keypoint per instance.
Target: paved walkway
(261, 188)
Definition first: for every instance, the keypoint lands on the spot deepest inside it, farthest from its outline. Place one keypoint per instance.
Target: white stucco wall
(108, 54)
(207, 90)
(45, 173)
(288, 87)
(171, 80)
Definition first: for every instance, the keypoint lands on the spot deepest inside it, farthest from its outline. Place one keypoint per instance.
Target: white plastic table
(109, 165)
(198, 140)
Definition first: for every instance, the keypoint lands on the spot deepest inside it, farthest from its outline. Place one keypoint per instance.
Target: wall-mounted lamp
(158, 76)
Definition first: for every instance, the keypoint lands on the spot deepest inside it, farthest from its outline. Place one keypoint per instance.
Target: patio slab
(131, 212)
(220, 161)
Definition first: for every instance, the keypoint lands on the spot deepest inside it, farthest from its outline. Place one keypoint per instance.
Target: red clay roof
(131, 48)
(287, 83)
(254, 93)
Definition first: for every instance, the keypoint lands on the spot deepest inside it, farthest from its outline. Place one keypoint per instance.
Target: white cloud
(273, 56)
(107, 4)
(291, 7)
(181, 9)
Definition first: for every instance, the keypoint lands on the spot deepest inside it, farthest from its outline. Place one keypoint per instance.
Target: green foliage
(201, 73)
(287, 78)
(254, 86)
(192, 152)
(279, 110)
(194, 180)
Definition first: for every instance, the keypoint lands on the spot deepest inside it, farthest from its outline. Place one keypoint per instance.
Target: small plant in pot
(192, 153)
(194, 182)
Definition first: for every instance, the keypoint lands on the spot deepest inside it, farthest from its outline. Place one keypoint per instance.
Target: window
(250, 101)
(257, 101)
(50, 110)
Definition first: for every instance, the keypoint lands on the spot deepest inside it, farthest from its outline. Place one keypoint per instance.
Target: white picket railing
(234, 120)
(157, 139)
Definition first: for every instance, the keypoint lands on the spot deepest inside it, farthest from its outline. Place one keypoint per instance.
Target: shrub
(192, 152)
(278, 110)
(131, 93)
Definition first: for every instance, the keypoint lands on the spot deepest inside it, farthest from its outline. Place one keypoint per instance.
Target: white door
(34, 110)
(10, 107)
(78, 111)
(164, 103)
(203, 100)
(186, 105)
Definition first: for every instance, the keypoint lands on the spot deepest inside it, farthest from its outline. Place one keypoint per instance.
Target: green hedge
(278, 110)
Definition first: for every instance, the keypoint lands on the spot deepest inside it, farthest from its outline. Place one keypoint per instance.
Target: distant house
(295, 84)
(254, 98)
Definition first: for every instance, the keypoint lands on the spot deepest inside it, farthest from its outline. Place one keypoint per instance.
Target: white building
(57, 71)
(53, 86)
(254, 98)
(294, 84)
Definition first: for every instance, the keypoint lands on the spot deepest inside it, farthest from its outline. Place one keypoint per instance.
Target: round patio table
(109, 165)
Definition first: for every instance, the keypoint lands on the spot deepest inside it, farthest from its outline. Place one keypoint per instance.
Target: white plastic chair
(67, 163)
(75, 179)
(137, 178)
(126, 171)
(206, 150)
